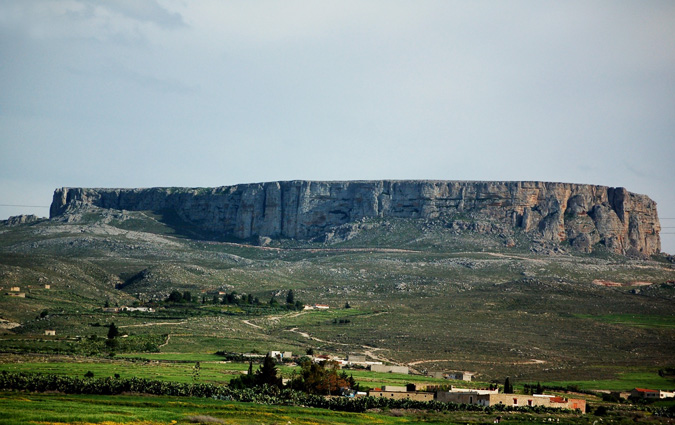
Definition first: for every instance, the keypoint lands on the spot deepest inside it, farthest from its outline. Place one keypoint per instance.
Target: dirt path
(313, 338)
(533, 361)
(270, 248)
(168, 338)
(516, 257)
(274, 318)
(252, 324)
(370, 352)
(153, 324)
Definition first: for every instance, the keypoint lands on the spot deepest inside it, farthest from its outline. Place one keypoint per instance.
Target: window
(515, 401)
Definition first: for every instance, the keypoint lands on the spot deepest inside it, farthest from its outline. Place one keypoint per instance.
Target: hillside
(582, 216)
(432, 293)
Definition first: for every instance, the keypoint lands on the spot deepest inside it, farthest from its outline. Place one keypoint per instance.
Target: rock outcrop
(17, 220)
(583, 215)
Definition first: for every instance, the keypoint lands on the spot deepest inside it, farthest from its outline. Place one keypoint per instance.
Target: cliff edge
(583, 215)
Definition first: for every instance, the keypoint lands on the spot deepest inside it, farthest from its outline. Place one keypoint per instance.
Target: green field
(638, 320)
(176, 368)
(57, 409)
(624, 381)
(181, 368)
(73, 409)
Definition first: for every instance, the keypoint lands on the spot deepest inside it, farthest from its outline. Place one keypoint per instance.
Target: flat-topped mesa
(584, 215)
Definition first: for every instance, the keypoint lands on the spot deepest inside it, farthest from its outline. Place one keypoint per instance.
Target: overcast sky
(134, 93)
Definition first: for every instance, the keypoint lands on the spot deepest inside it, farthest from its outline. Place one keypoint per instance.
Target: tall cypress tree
(508, 387)
(267, 374)
(113, 331)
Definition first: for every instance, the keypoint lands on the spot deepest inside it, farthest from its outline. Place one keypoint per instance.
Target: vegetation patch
(638, 320)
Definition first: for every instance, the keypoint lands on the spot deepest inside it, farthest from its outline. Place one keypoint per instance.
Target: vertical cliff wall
(584, 215)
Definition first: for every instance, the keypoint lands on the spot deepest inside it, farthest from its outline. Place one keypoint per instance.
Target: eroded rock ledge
(585, 215)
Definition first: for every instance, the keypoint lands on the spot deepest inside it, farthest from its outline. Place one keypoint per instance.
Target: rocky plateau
(585, 216)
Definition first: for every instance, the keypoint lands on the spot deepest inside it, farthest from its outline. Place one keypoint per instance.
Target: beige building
(398, 395)
(460, 376)
(389, 369)
(141, 309)
(462, 395)
(491, 398)
(50, 332)
(651, 394)
(355, 358)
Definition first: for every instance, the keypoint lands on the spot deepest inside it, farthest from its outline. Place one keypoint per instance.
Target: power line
(28, 206)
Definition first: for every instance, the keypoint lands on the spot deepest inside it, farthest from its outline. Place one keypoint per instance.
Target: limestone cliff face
(584, 215)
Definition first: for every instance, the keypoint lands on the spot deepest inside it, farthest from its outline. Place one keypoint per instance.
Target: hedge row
(265, 395)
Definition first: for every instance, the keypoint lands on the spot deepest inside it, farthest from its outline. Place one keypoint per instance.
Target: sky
(146, 93)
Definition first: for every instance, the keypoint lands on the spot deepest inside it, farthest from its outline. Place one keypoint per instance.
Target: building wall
(457, 397)
(532, 400)
(644, 393)
(357, 359)
(418, 396)
(391, 369)
(577, 403)
(394, 389)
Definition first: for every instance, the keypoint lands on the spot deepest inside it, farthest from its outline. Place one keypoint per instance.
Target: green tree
(273, 301)
(347, 305)
(320, 378)
(244, 381)
(290, 297)
(196, 370)
(187, 296)
(113, 331)
(267, 374)
(508, 387)
(230, 298)
(175, 296)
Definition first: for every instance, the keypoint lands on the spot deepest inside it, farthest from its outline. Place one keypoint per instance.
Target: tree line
(233, 298)
(321, 378)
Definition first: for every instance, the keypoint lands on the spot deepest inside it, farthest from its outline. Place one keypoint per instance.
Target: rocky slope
(583, 215)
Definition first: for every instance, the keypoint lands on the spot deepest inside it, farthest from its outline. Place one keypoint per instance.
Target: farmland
(415, 295)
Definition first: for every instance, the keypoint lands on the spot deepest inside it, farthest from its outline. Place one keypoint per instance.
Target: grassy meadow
(57, 409)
